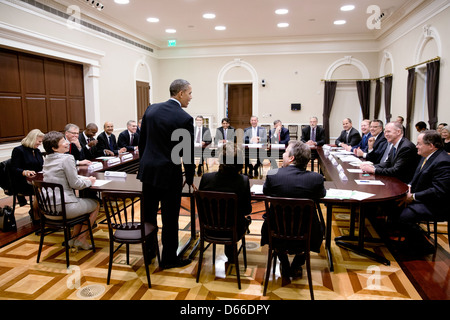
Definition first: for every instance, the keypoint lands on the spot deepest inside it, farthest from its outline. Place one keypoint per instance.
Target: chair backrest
(123, 211)
(217, 213)
(45, 193)
(293, 128)
(5, 178)
(289, 219)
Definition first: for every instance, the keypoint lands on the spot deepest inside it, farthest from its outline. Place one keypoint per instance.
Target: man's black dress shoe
(176, 264)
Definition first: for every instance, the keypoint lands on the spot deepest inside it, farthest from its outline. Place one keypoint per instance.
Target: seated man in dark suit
(294, 181)
(229, 179)
(430, 187)
(71, 133)
(278, 135)
(225, 133)
(313, 135)
(254, 135)
(403, 158)
(129, 139)
(363, 144)
(376, 144)
(202, 137)
(349, 136)
(107, 143)
(88, 141)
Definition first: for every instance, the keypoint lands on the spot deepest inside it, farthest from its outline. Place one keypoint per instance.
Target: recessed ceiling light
(154, 20)
(339, 22)
(283, 25)
(220, 28)
(348, 7)
(281, 11)
(122, 1)
(209, 16)
(171, 30)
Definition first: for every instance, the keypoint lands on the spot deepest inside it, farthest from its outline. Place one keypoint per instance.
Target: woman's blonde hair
(30, 140)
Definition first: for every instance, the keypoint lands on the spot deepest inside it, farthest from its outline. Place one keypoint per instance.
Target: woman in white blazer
(60, 167)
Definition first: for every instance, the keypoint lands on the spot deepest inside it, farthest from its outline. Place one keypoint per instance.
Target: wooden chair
(53, 218)
(289, 224)
(267, 127)
(293, 131)
(435, 230)
(218, 216)
(126, 226)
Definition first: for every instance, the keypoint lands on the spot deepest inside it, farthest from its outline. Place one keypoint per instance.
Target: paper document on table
(257, 189)
(358, 195)
(370, 182)
(99, 183)
(349, 158)
(338, 194)
(355, 170)
(105, 158)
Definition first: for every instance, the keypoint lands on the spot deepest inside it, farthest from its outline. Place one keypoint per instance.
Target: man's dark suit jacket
(379, 147)
(235, 183)
(157, 167)
(261, 132)
(103, 144)
(206, 135)
(292, 182)
(431, 185)
(231, 135)
(363, 144)
(89, 153)
(77, 154)
(284, 136)
(403, 164)
(353, 137)
(320, 135)
(124, 140)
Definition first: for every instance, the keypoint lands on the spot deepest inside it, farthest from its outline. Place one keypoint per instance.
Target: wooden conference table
(390, 189)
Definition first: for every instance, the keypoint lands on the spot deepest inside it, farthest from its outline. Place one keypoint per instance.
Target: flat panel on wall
(55, 77)
(76, 112)
(32, 73)
(9, 79)
(57, 114)
(11, 117)
(36, 113)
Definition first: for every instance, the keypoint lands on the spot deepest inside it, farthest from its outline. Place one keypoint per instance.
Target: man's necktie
(197, 139)
(313, 134)
(110, 144)
(225, 134)
(423, 163)
(346, 138)
(131, 139)
(393, 152)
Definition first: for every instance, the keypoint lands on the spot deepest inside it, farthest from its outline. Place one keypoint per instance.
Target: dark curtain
(387, 97)
(363, 88)
(330, 91)
(432, 92)
(410, 95)
(377, 99)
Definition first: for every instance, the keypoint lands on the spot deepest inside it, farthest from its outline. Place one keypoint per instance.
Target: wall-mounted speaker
(296, 106)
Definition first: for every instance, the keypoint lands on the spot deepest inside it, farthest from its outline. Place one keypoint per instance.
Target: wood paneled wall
(38, 92)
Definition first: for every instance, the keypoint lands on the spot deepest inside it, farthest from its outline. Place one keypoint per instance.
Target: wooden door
(240, 105)
(142, 97)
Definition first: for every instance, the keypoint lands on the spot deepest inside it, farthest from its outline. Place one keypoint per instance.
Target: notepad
(257, 189)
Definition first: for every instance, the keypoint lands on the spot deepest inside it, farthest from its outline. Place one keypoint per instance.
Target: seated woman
(60, 167)
(229, 179)
(26, 161)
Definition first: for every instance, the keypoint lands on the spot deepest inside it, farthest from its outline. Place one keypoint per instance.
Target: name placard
(95, 166)
(115, 174)
(113, 161)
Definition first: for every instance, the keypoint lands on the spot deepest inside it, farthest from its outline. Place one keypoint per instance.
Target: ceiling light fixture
(220, 28)
(209, 16)
(340, 22)
(283, 25)
(171, 30)
(281, 11)
(122, 1)
(153, 20)
(348, 7)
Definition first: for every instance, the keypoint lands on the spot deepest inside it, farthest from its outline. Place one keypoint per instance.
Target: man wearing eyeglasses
(71, 133)
(376, 144)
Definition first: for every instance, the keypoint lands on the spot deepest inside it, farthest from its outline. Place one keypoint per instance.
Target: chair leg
(308, 271)
(41, 242)
(244, 253)
(214, 254)
(128, 253)
(158, 256)
(111, 256)
(66, 244)
(91, 235)
(236, 264)
(200, 259)
(269, 261)
(435, 235)
(146, 263)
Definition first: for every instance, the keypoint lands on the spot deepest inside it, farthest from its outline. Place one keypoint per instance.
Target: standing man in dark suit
(107, 143)
(376, 144)
(294, 181)
(254, 135)
(167, 136)
(202, 137)
(428, 195)
(313, 135)
(88, 141)
(225, 133)
(403, 158)
(71, 133)
(349, 136)
(129, 138)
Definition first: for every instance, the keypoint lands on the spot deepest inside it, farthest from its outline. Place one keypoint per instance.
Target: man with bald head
(107, 142)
